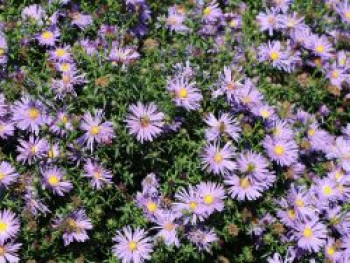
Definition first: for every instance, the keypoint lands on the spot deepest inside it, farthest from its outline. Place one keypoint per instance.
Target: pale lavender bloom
(66, 67)
(61, 54)
(282, 130)
(343, 60)
(3, 49)
(189, 204)
(302, 35)
(343, 9)
(222, 126)
(340, 150)
(8, 252)
(8, 174)
(273, 53)
(150, 204)
(243, 188)
(9, 225)
(184, 93)
(74, 226)
(89, 46)
(284, 152)
(336, 75)
(310, 235)
(218, 160)
(107, 31)
(53, 180)
(346, 131)
(123, 55)
(52, 152)
(277, 258)
(33, 12)
(95, 129)
(31, 150)
(132, 246)
(228, 85)
(326, 190)
(98, 174)
(33, 203)
(281, 5)
(292, 21)
(269, 21)
(167, 226)
(234, 21)
(175, 20)
(144, 121)
(29, 114)
(212, 196)
(249, 96)
(211, 13)
(3, 106)
(202, 238)
(320, 46)
(6, 129)
(48, 37)
(150, 184)
(66, 84)
(81, 20)
(331, 251)
(319, 139)
(61, 123)
(265, 111)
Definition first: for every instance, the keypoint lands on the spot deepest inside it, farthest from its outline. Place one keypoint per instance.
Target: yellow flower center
(64, 66)
(208, 199)
(132, 246)
(218, 157)
(182, 93)
(335, 74)
(264, 113)
(66, 79)
(94, 130)
(279, 150)
(60, 52)
(206, 11)
(144, 121)
(3, 227)
(271, 19)
(274, 55)
(233, 23)
(2, 51)
(50, 153)
(246, 100)
(330, 251)
(230, 86)
(151, 207)
(307, 232)
(2, 176)
(172, 21)
(192, 205)
(64, 119)
(311, 132)
(299, 202)
(347, 15)
(2, 251)
(47, 35)
(53, 180)
(319, 49)
(326, 190)
(244, 183)
(291, 213)
(169, 226)
(97, 175)
(33, 113)
(338, 175)
(33, 149)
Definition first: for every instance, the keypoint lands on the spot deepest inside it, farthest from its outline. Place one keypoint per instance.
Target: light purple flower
(167, 226)
(9, 225)
(53, 180)
(31, 150)
(269, 21)
(284, 152)
(218, 160)
(3, 106)
(211, 12)
(212, 196)
(6, 129)
(311, 235)
(33, 12)
(8, 252)
(225, 124)
(343, 9)
(132, 245)
(48, 37)
(175, 20)
(8, 174)
(123, 55)
(202, 238)
(98, 174)
(61, 54)
(144, 121)
(81, 20)
(243, 188)
(341, 151)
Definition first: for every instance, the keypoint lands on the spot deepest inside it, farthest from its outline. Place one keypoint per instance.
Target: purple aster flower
(175, 20)
(33, 204)
(8, 174)
(189, 204)
(229, 85)
(144, 121)
(331, 251)
(272, 52)
(224, 125)
(336, 75)
(319, 139)
(167, 227)
(277, 258)
(53, 180)
(61, 123)
(265, 111)
(212, 196)
(343, 9)
(320, 46)
(234, 21)
(217, 160)
(150, 184)
(243, 188)
(341, 151)
(151, 205)
(95, 129)
(269, 21)
(9, 225)
(66, 67)
(90, 47)
(6, 129)
(282, 130)
(31, 150)
(184, 93)
(65, 85)
(123, 55)
(3, 49)
(346, 131)
(311, 235)
(29, 114)
(132, 246)
(98, 174)
(61, 54)
(281, 5)
(249, 96)
(8, 252)
(81, 20)
(211, 12)
(33, 12)
(107, 31)
(284, 152)
(202, 238)
(292, 21)
(74, 226)
(48, 37)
